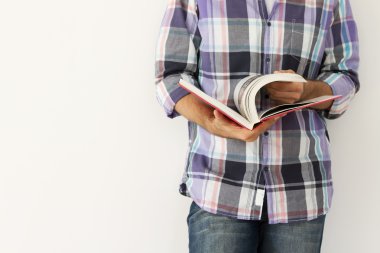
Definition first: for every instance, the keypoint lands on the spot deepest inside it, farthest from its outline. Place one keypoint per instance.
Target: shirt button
(266, 168)
(266, 133)
(269, 23)
(267, 59)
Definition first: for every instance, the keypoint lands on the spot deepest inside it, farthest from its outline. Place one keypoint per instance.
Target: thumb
(218, 115)
(223, 119)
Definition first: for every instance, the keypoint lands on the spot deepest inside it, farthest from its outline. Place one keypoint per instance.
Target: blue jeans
(211, 233)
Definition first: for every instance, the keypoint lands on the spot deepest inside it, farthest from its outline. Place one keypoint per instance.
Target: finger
(285, 86)
(284, 71)
(220, 116)
(277, 94)
(217, 114)
(284, 95)
(283, 101)
(223, 120)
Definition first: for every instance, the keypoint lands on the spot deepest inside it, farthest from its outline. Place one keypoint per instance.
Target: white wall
(89, 162)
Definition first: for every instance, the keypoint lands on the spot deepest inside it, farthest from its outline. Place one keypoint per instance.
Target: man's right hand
(224, 127)
(195, 110)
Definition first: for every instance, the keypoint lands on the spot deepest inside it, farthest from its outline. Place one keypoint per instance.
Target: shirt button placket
(264, 140)
(267, 66)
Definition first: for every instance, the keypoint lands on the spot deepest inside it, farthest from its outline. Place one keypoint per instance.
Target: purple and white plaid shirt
(215, 43)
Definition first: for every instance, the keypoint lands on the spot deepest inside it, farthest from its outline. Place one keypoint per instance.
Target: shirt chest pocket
(303, 42)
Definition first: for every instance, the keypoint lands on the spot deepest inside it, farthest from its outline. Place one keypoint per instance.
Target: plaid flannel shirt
(215, 43)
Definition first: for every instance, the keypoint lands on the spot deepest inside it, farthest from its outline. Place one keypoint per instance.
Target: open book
(244, 99)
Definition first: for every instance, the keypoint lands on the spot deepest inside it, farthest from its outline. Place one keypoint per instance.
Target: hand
(285, 92)
(224, 127)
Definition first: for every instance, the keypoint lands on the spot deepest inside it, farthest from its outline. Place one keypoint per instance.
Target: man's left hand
(285, 92)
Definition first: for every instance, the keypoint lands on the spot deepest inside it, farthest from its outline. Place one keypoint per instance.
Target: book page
(241, 93)
(247, 89)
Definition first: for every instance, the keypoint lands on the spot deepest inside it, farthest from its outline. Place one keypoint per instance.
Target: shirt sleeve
(176, 53)
(341, 59)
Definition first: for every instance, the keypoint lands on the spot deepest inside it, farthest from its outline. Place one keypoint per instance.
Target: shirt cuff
(342, 85)
(169, 92)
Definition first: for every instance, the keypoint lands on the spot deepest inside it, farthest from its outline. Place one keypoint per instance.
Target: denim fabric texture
(212, 233)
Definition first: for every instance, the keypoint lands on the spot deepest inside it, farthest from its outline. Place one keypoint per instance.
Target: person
(267, 189)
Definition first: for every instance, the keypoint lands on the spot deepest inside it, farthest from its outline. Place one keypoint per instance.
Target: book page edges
(316, 101)
(252, 89)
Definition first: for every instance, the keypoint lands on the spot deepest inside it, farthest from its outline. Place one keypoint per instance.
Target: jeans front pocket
(194, 208)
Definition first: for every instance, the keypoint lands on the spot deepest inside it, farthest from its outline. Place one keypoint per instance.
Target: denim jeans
(211, 233)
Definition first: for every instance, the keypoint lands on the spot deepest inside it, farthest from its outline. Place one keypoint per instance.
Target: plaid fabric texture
(215, 43)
